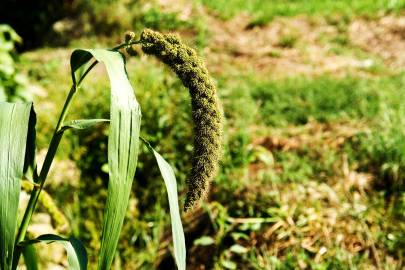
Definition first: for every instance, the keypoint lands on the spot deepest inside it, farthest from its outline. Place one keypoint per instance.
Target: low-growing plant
(17, 143)
(12, 81)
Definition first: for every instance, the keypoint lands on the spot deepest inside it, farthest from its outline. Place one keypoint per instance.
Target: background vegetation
(313, 170)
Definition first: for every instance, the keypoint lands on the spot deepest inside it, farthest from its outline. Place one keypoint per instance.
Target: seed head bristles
(205, 106)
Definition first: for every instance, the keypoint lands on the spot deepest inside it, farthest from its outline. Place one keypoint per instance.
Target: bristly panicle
(206, 112)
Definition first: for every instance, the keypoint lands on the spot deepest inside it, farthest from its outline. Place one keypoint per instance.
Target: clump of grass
(381, 151)
(287, 41)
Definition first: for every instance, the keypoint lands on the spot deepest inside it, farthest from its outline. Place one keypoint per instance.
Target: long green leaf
(123, 142)
(83, 123)
(30, 257)
(14, 119)
(177, 227)
(76, 253)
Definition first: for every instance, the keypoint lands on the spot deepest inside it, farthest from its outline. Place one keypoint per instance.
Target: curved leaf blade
(169, 178)
(78, 60)
(177, 227)
(30, 257)
(83, 123)
(76, 253)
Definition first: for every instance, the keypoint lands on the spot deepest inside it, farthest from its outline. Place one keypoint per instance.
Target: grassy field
(312, 175)
(263, 12)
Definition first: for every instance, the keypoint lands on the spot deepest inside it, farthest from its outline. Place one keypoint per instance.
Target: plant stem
(53, 146)
(125, 45)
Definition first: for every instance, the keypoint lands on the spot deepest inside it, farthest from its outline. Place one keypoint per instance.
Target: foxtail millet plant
(206, 112)
(17, 151)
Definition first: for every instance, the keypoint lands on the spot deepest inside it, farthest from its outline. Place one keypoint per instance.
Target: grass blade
(30, 257)
(76, 253)
(83, 123)
(123, 141)
(14, 118)
(177, 227)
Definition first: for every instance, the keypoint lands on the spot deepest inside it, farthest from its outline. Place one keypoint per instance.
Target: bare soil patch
(300, 45)
(327, 135)
(263, 49)
(384, 37)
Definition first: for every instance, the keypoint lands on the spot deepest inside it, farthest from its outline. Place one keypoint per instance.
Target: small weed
(274, 54)
(341, 40)
(287, 41)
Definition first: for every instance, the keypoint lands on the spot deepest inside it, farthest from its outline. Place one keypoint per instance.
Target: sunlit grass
(264, 11)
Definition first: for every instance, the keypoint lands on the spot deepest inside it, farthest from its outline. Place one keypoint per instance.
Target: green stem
(53, 146)
(125, 45)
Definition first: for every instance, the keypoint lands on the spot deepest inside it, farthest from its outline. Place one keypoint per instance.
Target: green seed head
(131, 51)
(129, 36)
(206, 112)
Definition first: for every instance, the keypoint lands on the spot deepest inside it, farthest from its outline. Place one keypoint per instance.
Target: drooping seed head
(206, 112)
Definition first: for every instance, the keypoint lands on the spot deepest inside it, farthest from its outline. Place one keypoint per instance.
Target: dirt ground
(300, 45)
